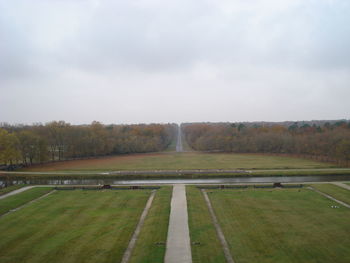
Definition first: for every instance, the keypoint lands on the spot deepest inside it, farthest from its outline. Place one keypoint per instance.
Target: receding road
(179, 147)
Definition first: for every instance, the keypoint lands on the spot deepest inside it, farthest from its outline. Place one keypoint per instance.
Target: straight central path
(178, 246)
(179, 147)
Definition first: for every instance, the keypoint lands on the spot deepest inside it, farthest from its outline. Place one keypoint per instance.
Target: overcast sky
(174, 61)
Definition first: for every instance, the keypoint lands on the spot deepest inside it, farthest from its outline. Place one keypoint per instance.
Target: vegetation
(282, 225)
(72, 226)
(19, 199)
(191, 160)
(151, 245)
(61, 141)
(334, 191)
(324, 141)
(202, 230)
(10, 188)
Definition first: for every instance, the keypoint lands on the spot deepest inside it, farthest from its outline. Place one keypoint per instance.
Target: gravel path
(178, 247)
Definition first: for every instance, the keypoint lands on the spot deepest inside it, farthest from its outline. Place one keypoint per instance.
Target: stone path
(135, 236)
(219, 232)
(178, 247)
(345, 186)
(14, 192)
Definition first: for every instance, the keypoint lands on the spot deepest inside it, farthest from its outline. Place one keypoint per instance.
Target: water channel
(234, 180)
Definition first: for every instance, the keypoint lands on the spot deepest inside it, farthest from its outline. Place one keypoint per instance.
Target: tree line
(58, 140)
(329, 141)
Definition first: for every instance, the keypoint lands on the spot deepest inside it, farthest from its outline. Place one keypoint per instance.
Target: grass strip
(335, 191)
(282, 225)
(183, 160)
(151, 244)
(206, 247)
(19, 199)
(72, 226)
(10, 188)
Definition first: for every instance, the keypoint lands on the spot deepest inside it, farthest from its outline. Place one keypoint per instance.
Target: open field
(10, 188)
(334, 191)
(17, 200)
(175, 161)
(202, 229)
(155, 230)
(72, 226)
(282, 225)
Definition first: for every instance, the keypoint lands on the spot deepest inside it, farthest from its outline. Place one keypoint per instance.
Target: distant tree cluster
(61, 141)
(329, 141)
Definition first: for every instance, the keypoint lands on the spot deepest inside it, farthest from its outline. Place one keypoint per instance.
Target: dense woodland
(328, 141)
(56, 141)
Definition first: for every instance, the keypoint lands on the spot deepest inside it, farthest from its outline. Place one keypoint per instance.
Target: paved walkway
(14, 192)
(178, 247)
(345, 186)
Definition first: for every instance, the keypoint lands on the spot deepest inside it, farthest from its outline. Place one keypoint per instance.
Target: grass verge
(282, 225)
(14, 201)
(72, 226)
(10, 188)
(206, 247)
(335, 191)
(151, 244)
(185, 160)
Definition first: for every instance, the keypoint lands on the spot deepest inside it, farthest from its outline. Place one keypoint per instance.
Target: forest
(326, 141)
(58, 140)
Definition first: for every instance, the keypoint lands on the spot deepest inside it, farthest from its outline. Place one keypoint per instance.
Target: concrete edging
(219, 232)
(132, 243)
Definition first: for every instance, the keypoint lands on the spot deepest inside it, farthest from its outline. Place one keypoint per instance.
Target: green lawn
(10, 188)
(202, 230)
(334, 191)
(155, 230)
(189, 160)
(14, 201)
(287, 225)
(72, 226)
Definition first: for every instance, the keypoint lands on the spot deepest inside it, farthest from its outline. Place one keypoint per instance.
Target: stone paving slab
(178, 247)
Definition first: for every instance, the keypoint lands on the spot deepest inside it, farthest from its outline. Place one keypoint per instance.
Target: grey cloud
(153, 60)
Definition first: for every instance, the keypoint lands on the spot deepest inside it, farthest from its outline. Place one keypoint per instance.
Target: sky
(146, 61)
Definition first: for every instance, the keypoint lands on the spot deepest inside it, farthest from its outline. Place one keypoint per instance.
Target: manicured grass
(334, 191)
(14, 201)
(154, 230)
(189, 160)
(10, 188)
(72, 226)
(282, 225)
(202, 230)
